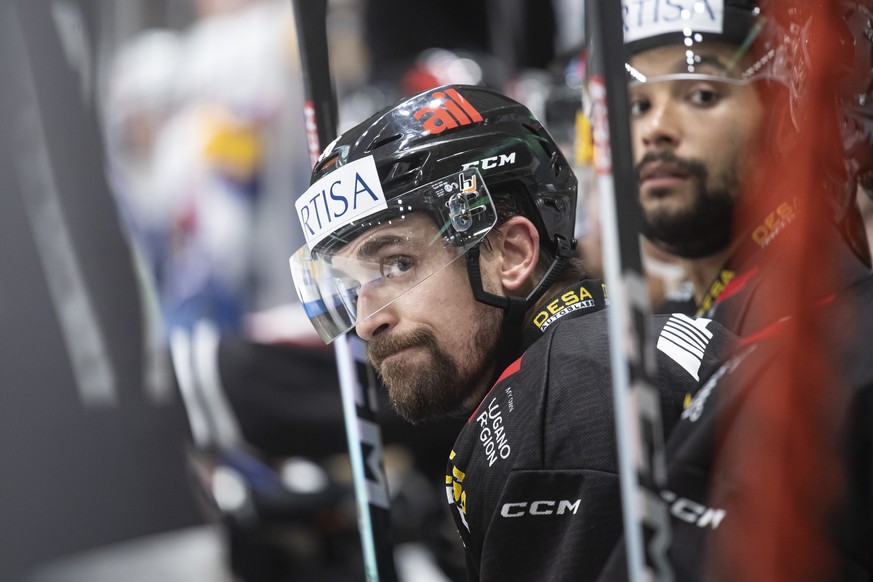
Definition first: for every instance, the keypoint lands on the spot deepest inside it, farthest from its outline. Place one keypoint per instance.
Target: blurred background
(167, 412)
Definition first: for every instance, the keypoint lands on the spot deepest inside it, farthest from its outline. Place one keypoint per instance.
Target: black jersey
(533, 479)
(734, 297)
(712, 490)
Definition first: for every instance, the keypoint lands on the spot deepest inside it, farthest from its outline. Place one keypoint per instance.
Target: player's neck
(702, 271)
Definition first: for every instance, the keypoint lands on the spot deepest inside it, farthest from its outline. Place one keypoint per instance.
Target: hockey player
(713, 93)
(441, 228)
(751, 125)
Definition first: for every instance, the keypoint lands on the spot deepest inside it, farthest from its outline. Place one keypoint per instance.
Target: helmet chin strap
(515, 307)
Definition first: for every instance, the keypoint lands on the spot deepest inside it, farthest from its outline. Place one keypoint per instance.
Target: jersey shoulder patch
(684, 340)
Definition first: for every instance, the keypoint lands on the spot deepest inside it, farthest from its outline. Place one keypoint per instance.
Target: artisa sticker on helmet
(348, 194)
(647, 18)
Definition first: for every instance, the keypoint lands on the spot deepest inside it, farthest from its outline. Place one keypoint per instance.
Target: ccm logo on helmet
(540, 508)
(492, 162)
(449, 110)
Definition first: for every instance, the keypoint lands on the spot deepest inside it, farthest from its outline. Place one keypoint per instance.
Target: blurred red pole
(780, 439)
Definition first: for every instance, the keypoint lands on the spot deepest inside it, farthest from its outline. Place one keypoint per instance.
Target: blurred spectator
(140, 100)
(456, 24)
(433, 67)
(202, 131)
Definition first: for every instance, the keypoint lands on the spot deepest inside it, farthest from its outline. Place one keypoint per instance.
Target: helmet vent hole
(326, 164)
(379, 142)
(405, 170)
(556, 164)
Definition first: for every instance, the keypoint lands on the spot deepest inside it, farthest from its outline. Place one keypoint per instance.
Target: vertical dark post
(639, 429)
(357, 382)
(320, 108)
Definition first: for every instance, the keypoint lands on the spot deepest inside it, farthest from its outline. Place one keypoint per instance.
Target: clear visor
(708, 64)
(708, 60)
(701, 66)
(363, 268)
(635, 78)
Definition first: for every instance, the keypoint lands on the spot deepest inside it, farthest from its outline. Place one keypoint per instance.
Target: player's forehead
(414, 229)
(710, 58)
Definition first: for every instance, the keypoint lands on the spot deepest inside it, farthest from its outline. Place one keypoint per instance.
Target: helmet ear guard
(517, 306)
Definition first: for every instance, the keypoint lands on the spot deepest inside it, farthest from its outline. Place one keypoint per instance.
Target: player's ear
(519, 249)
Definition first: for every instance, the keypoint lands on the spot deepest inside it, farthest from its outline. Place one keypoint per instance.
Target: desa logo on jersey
(568, 302)
(447, 110)
(646, 18)
(347, 194)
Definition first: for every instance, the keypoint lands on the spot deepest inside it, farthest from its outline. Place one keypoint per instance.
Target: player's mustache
(380, 348)
(692, 167)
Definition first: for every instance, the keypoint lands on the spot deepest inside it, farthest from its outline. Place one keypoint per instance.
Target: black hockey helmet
(767, 48)
(647, 25)
(453, 152)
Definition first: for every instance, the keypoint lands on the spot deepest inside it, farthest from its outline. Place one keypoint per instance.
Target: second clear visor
(360, 269)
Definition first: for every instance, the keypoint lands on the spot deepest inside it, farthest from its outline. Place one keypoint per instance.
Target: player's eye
(704, 97)
(395, 266)
(639, 106)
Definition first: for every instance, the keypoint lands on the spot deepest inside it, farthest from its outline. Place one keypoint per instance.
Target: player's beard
(703, 227)
(443, 384)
